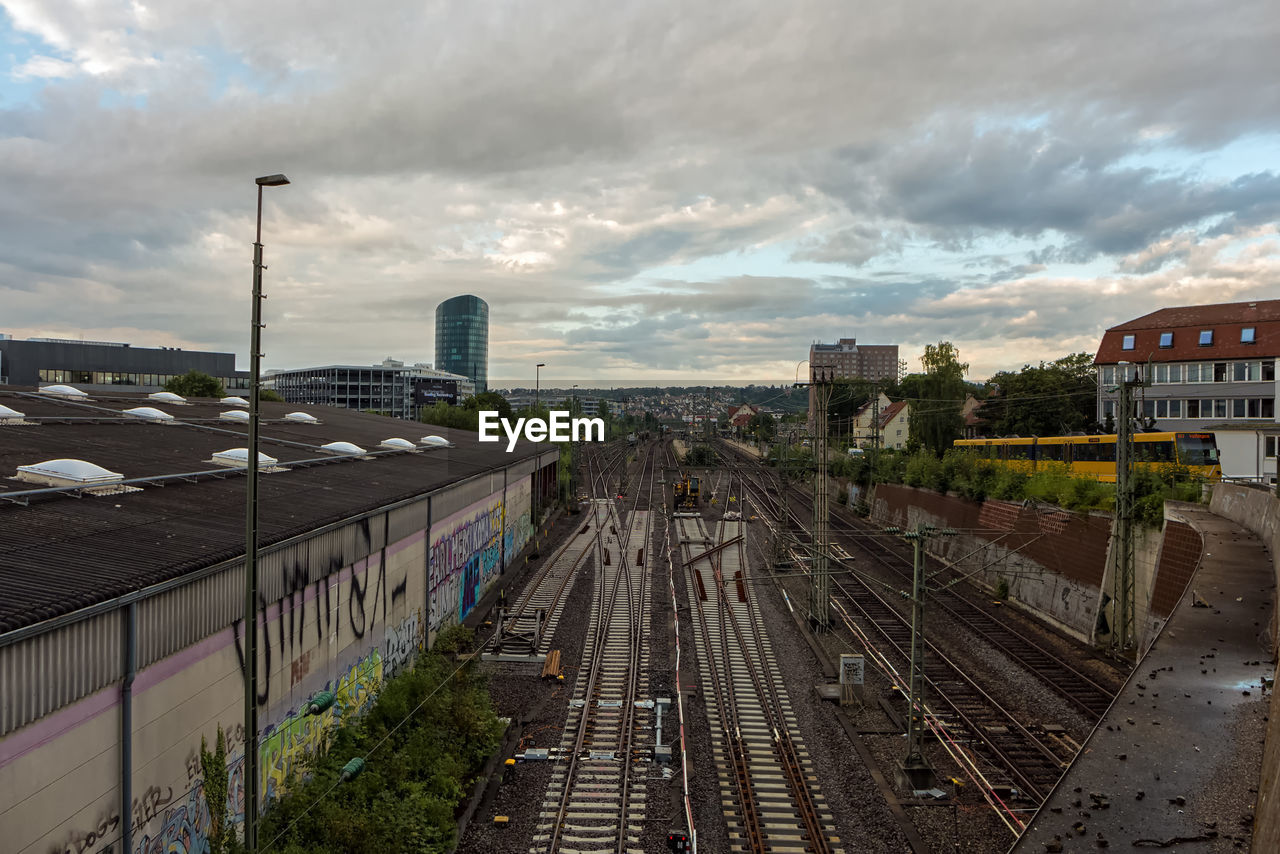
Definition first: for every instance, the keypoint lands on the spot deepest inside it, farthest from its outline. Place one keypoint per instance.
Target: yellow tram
(1096, 455)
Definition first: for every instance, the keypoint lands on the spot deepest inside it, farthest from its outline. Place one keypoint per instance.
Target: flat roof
(59, 554)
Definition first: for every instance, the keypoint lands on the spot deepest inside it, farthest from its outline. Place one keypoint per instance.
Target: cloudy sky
(642, 191)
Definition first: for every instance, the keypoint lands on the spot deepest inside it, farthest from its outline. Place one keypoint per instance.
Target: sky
(642, 191)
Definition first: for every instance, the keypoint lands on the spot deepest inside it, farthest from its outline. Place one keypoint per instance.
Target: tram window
(1050, 452)
(1195, 451)
(1018, 452)
(1153, 452)
(1094, 452)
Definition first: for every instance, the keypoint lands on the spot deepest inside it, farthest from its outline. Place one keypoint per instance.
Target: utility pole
(875, 440)
(1123, 633)
(820, 586)
(915, 770)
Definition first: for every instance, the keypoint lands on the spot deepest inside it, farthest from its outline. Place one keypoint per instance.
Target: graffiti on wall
(465, 556)
(370, 600)
(283, 747)
(518, 528)
(402, 643)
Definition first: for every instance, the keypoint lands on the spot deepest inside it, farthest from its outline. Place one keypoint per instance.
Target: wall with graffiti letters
(344, 626)
(465, 557)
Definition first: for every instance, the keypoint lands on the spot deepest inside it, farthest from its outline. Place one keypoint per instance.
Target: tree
(1052, 399)
(490, 401)
(270, 395)
(213, 766)
(762, 426)
(196, 384)
(935, 419)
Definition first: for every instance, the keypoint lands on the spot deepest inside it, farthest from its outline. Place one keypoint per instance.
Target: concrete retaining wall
(1259, 511)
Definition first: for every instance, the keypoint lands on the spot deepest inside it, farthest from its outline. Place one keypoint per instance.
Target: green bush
(426, 736)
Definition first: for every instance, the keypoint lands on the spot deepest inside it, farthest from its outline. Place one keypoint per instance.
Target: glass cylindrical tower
(462, 338)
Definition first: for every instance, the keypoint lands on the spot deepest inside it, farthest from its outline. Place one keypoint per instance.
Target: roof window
(301, 418)
(234, 415)
(68, 472)
(1166, 340)
(167, 397)
(1249, 335)
(342, 448)
(69, 392)
(11, 416)
(239, 458)
(398, 444)
(148, 413)
(1206, 337)
(1127, 342)
(234, 401)
(438, 441)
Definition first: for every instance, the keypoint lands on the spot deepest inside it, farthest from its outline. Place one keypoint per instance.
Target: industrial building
(462, 338)
(1205, 368)
(848, 360)
(104, 365)
(391, 388)
(122, 541)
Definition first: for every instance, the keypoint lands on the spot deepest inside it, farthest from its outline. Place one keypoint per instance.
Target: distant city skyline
(695, 201)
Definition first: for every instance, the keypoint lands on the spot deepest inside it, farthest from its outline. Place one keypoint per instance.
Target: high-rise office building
(462, 338)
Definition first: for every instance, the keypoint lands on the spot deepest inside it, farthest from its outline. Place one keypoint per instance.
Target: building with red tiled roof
(1207, 367)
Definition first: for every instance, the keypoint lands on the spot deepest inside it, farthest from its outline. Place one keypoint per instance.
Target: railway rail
(596, 800)
(766, 776)
(1032, 761)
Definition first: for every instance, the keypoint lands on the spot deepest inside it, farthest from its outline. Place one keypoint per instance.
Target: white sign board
(852, 669)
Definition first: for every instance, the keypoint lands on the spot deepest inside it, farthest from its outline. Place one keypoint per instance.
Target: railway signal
(678, 840)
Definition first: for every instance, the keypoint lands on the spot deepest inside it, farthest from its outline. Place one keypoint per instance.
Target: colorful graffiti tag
(185, 829)
(284, 746)
(466, 554)
(518, 521)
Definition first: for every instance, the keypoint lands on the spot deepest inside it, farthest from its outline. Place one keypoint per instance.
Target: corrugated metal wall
(45, 672)
(78, 656)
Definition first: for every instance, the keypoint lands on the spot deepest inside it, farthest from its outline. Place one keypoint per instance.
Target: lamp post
(251, 540)
(537, 384)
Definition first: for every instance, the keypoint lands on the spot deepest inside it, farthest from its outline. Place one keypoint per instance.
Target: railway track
(596, 799)
(1087, 695)
(767, 782)
(1031, 761)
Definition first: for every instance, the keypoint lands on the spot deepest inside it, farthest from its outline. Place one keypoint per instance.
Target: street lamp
(251, 540)
(537, 384)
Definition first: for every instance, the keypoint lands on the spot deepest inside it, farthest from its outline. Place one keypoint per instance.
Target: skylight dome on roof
(68, 472)
(234, 401)
(167, 397)
(149, 413)
(234, 415)
(342, 448)
(301, 418)
(64, 391)
(238, 457)
(399, 444)
(6, 413)
(439, 441)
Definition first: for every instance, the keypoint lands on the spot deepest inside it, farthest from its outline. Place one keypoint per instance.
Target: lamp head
(272, 181)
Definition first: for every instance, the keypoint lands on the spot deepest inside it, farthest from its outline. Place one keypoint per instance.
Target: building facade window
(1248, 335)
(1206, 337)
(1269, 447)
(1127, 343)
